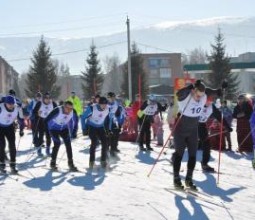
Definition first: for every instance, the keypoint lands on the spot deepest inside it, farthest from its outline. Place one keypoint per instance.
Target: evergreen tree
(42, 73)
(219, 63)
(136, 70)
(92, 78)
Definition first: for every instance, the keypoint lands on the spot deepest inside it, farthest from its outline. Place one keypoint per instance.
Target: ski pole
(171, 132)
(139, 132)
(221, 135)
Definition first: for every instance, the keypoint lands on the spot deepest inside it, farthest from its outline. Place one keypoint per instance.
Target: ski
(8, 175)
(185, 193)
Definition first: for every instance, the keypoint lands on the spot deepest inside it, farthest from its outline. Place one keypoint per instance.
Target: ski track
(124, 192)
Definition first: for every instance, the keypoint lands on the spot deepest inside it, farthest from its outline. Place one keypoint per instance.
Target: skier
(208, 110)
(95, 123)
(191, 100)
(145, 118)
(13, 94)
(41, 111)
(118, 117)
(227, 114)
(77, 105)
(60, 122)
(9, 111)
(32, 104)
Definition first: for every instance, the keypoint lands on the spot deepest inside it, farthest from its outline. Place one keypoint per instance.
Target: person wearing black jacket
(145, 118)
(40, 112)
(208, 110)
(9, 111)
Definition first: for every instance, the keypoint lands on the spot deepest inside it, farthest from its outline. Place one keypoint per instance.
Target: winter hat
(12, 92)
(110, 94)
(152, 97)
(103, 100)
(38, 94)
(46, 95)
(9, 100)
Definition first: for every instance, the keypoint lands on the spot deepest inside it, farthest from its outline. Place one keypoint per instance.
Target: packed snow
(125, 191)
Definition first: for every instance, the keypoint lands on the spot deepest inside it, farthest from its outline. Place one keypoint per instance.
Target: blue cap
(9, 100)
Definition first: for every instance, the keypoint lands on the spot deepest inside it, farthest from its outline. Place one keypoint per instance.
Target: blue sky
(79, 18)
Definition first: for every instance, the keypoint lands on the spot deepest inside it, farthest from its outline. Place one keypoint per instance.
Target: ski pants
(95, 134)
(114, 139)
(145, 130)
(185, 135)
(41, 130)
(204, 143)
(9, 134)
(64, 134)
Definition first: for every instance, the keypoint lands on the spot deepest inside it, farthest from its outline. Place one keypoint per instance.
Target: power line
(71, 52)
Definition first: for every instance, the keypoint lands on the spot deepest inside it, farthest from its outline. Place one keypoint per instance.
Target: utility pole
(129, 63)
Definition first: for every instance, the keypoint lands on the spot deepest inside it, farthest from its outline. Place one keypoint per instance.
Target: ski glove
(21, 133)
(85, 132)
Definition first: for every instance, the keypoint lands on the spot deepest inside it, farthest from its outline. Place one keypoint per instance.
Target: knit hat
(103, 100)
(110, 94)
(12, 92)
(9, 100)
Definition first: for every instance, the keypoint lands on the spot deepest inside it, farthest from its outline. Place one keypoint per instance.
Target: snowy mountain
(163, 37)
(125, 192)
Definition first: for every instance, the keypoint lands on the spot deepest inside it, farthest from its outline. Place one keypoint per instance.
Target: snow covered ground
(125, 192)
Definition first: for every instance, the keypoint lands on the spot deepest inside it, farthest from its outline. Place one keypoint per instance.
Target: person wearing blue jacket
(61, 122)
(117, 119)
(95, 123)
(13, 94)
(9, 112)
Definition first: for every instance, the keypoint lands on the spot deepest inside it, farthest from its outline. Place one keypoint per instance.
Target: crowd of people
(105, 119)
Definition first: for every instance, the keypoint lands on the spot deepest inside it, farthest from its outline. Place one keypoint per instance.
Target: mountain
(170, 36)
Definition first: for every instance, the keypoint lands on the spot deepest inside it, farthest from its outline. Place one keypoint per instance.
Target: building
(243, 66)
(8, 77)
(162, 69)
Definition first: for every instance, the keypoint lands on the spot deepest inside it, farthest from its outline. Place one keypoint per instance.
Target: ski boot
(72, 168)
(91, 165)
(14, 171)
(207, 168)
(117, 150)
(142, 148)
(53, 165)
(39, 152)
(103, 164)
(190, 185)
(178, 184)
(2, 169)
(149, 148)
(112, 153)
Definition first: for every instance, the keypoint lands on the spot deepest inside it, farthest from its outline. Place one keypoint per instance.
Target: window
(153, 63)
(165, 73)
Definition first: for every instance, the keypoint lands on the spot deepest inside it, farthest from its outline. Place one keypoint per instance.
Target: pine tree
(42, 73)
(92, 78)
(136, 70)
(219, 63)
